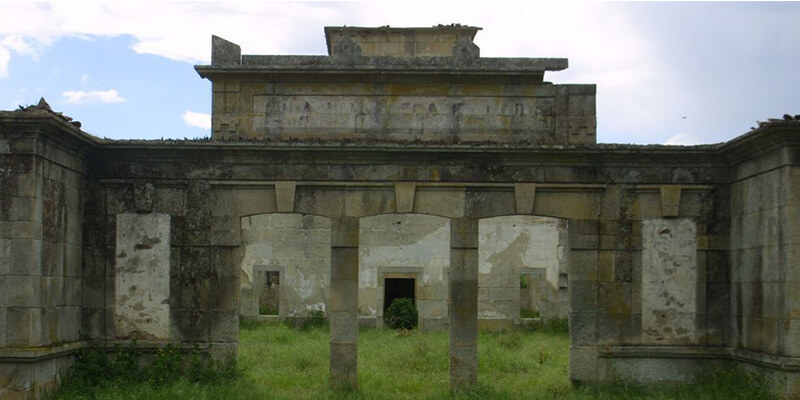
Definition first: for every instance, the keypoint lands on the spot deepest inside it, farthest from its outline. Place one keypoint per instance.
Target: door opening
(396, 288)
(269, 295)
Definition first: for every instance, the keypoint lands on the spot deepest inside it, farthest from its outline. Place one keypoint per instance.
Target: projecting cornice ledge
(768, 137)
(321, 64)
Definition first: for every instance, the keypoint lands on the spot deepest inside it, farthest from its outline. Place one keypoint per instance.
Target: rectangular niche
(669, 281)
(141, 307)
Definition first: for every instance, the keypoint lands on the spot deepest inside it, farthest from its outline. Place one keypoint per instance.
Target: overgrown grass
(277, 362)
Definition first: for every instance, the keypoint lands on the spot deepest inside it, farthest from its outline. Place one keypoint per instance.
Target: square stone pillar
(463, 303)
(343, 310)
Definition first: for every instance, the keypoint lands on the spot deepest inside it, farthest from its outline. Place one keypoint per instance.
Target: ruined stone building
(400, 164)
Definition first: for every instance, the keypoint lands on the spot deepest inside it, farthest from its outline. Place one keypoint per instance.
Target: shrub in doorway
(401, 314)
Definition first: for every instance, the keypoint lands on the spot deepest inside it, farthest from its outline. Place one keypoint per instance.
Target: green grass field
(276, 362)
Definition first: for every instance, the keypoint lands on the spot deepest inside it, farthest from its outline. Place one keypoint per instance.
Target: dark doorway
(396, 288)
(269, 294)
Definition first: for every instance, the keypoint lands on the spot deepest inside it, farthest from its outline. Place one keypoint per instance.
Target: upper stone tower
(396, 85)
(437, 41)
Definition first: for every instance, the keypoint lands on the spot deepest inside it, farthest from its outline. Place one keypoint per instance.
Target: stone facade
(670, 260)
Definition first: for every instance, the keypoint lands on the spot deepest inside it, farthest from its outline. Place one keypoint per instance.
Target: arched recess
(518, 253)
(296, 248)
(404, 247)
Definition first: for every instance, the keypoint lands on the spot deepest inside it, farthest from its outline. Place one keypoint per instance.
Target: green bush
(401, 314)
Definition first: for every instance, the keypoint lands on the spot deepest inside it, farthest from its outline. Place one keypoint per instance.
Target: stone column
(463, 303)
(343, 310)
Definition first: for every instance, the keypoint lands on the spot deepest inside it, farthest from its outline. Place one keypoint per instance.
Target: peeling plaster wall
(297, 245)
(669, 281)
(141, 307)
(410, 245)
(514, 245)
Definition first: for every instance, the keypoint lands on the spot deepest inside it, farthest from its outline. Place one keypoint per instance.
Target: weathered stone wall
(404, 246)
(761, 250)
(203, 273)
(633, 213)
(41, 211)
(604, 210)
(644, 229)
(765, 267)
(299, 248)
(396, 85)
(512, 246)
(404, 42)
(400, 111)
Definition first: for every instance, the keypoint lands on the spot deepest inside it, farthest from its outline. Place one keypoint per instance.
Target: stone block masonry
(343, 316)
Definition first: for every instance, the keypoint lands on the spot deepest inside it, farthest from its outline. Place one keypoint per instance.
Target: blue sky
(679, 73)
(152, 92)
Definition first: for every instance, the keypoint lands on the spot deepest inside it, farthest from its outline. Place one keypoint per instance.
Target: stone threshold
(266, 318)
(36, 354)
(695, 352)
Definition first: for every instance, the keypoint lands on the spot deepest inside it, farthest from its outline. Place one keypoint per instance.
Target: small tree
(401, 314)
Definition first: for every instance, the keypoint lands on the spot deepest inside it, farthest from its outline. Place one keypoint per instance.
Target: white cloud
(175, 30)
(17, 44)
(20, 45)
(197, 120)
(102, 96)
(682, 139)
(647, 74)
(5, 57)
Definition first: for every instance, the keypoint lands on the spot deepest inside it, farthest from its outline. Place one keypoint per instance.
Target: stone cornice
(769, 137)
(531, 68)
(44, 122)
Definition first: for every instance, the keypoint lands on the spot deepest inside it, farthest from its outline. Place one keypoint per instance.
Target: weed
(267, 309)
(421, 349)
(527, 313)
(554, 326)
(316, 319)
(509, 339)
(542, 357)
